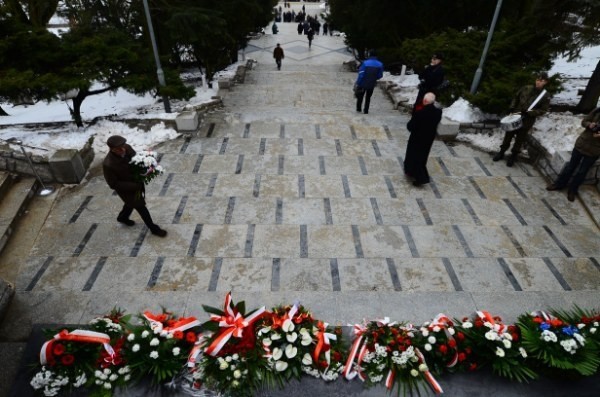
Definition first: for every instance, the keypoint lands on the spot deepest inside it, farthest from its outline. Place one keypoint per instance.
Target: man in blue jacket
(369, 72)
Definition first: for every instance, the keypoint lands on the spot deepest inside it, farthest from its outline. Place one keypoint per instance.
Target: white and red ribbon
(196, 351)
(442, 321)
(78, 335)
(182, 324)
(486, 316)
(323, 342)
(232, 324)
(357, 351)
(428, 376)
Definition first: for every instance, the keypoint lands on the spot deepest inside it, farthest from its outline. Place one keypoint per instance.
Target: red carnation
(178, 334)
(460, 336)
(468, 350)
(538, 320)
(473, 367)
(323, 364)
(452, 343)
(462, 357)
(478, 323)
(337, 356)
(443, 349)
(556, 322)
(190, 337)
(515, 336)
(67, 359)
(58, 349)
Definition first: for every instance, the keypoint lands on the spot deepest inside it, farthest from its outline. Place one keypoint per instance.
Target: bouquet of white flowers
(145, 166)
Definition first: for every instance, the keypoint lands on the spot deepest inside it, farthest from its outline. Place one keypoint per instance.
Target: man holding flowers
(120, 177)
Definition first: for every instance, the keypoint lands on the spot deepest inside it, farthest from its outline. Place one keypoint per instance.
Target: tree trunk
(589, 99)
(2, 112)
(76, 111)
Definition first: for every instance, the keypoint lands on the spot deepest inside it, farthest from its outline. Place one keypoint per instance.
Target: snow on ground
(557, 132)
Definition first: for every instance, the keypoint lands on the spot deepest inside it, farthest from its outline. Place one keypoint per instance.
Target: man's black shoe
(571, 196)
(511, 161)
(418, 184)
(552, 187)
(366, 112)
(159, 232)
(127, 222)
(499, 156)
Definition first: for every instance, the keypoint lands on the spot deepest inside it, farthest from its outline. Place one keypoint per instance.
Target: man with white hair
(423, 129)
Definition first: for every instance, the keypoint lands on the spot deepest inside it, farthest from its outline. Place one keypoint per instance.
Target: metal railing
(45, 190)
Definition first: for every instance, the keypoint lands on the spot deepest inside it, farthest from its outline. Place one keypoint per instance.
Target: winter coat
(523, 99)
(118, 175)
(369, 72)
(431, 78)
(586, 143)
(278, 53)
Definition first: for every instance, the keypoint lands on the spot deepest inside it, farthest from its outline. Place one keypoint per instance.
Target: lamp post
(479, 70)
(159, 71)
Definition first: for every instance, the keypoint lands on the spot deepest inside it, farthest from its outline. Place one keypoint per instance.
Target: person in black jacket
(423, 129)
(431, 78)
(118, 175)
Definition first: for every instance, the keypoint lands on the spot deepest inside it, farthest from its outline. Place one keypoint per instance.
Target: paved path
(287, 193)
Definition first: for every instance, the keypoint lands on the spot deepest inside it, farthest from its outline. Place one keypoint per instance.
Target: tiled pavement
(287, 193)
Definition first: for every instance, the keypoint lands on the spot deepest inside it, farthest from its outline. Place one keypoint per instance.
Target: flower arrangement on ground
(558, 344)
(442, 345)
(295, 343)
(383, 352)
(494, 343)
(230, 363)
(587, 321)
(145, 166)
(160, 346)
(68, 358)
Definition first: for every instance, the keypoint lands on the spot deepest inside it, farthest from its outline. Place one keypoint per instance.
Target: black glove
(524, 113)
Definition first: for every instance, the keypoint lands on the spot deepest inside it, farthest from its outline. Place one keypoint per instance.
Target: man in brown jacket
(584, 155)
(118, 175)
(278, 55)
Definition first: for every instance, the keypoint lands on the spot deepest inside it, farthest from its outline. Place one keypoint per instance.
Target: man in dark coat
(278, 55)
(423, 129)
(369, 72)
(118, 175)
(430, 79)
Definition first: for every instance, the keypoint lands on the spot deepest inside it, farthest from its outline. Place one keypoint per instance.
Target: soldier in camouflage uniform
(520, 103)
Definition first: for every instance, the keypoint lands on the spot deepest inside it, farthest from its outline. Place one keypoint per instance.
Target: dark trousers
(578, 167)
(359, 99)
(144, 214)
(520, 136)
(278, 62)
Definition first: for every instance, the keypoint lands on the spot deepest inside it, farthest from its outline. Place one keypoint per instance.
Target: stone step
(13, 204)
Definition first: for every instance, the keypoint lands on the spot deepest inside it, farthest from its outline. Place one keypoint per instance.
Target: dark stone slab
(482, 383)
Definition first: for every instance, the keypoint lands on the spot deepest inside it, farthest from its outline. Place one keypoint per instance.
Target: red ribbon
(181, 324)
(428, 376)
(486, 316)
(442, 321)
(349, 372)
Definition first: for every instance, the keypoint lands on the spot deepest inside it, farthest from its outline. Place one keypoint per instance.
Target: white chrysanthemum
(451, 331)
(500, 352)
(176, 351)
(228, 359)
(431, 340)
(427, 347)
(593, 330)
(507, 344)
(467, 325)
(135, 348)
(107, 386)
(131, 337)
(154, 354)
(235, 384)
(491, 335)
(436, 328)
(154, 342)
(424, 332)
(235, 356)
(223, 365)
(414, 372)
(113, 377)
(423, 367)
(145, 334)
(237, 374)
(523, 352)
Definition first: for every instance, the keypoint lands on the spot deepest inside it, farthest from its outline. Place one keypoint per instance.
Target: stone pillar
(66, 166)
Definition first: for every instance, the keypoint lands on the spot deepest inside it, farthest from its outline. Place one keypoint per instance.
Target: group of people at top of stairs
(529, 102)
